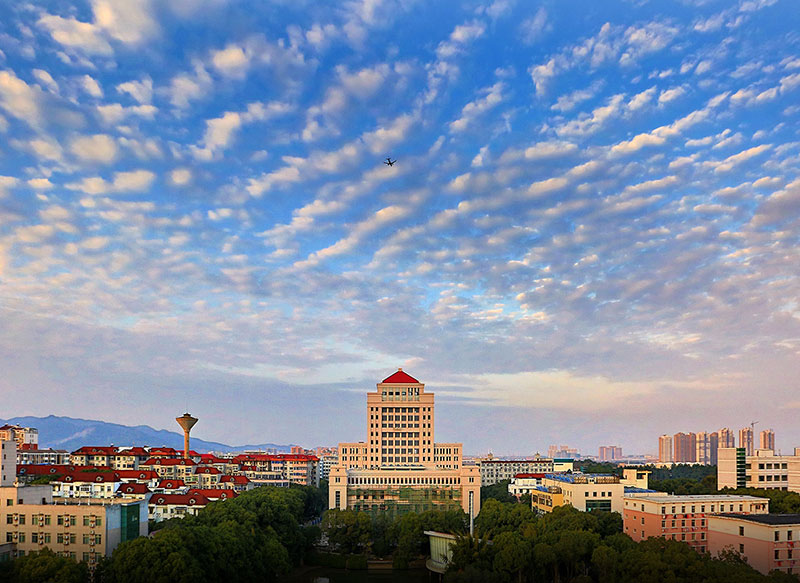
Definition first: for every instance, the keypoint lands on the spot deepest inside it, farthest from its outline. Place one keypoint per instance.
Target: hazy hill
(70, 434)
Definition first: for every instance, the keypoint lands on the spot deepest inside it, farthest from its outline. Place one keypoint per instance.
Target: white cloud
(114, 113)
(187, 87)
(728, 163)
(20, 99)
(231, 61)
(141, 91)
(91, 86)
(74, 34)
(493, 96)
(550, 149)
(136, 180)
(637, 143)
(533, 28)
(180, 176)
(383, 138)
(94, 148)
(287, 174)
(46, 148)
(128, 22)
(46, 80)
(640, 100)
(670, 95)
(40, 183)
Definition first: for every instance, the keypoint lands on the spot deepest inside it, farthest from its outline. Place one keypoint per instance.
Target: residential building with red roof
(302, 469)
(133, 491)
(93, 456)
(171, 467)
(213, 493)
(86, 484)
(171, 486)
(236, 483)
(166, 506)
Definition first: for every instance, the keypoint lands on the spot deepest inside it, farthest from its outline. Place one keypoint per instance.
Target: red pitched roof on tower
(400, 378)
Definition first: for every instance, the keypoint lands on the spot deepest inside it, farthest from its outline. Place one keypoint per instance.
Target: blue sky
(590, 235)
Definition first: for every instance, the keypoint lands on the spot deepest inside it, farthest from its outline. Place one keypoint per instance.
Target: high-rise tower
(186, 422)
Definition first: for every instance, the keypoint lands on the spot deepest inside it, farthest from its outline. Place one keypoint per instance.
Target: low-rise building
(522, 484)
(86, 530)
(765, 469)
(86, 484)
(24, 437)
(586, 492)
(42, 456)
(494, 470)
(166, 506)
(682, 518)
(768, 541)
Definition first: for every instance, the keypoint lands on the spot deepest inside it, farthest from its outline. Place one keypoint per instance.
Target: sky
(590, 235)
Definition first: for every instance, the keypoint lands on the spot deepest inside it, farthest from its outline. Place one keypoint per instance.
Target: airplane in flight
(389, 161)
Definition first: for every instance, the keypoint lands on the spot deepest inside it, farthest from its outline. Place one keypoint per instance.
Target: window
(22, 519)
(47, 537)
(9, 502)
(777, 554)
(741, 548)
(9, 519)
(777, 535)
(741, 531)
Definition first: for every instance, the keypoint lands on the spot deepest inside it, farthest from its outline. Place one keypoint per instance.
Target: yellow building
(586, 492)
(400, 468)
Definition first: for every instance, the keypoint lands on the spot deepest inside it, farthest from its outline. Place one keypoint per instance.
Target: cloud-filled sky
(590, 235)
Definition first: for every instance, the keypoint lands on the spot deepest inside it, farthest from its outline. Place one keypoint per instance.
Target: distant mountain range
(70, 434)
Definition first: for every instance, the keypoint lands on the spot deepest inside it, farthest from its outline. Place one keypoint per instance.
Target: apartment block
(400, 468)
(495, 470)
(608, 453)
(665, 454)
(746, 440)
(766, 439)
(736, 469)
(24, 437)
(682, 518)
(768, 541)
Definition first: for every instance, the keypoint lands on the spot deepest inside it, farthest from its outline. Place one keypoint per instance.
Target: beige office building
(400, 468)
(665, 449)
(736, 469)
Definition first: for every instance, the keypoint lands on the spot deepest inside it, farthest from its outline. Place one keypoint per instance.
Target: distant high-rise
(562, 451)
(684, 447)
(703, 448)
(665, 449)
(714, 438)
(609, 453)
(767, 439)
(726, 438)
(746, 439)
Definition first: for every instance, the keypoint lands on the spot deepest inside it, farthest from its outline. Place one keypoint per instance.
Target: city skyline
(591, 228)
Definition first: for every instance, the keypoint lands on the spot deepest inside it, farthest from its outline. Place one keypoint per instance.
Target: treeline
(402, 537)
(257, 536)
(514, 544)
(43, 566)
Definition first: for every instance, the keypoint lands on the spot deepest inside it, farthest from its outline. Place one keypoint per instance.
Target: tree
(44, 565)
(349, 531)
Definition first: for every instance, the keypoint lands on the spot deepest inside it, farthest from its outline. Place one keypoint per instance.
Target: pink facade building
(683, 518)
(769, 541)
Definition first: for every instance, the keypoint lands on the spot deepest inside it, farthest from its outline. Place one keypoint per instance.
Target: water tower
(186, 422)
